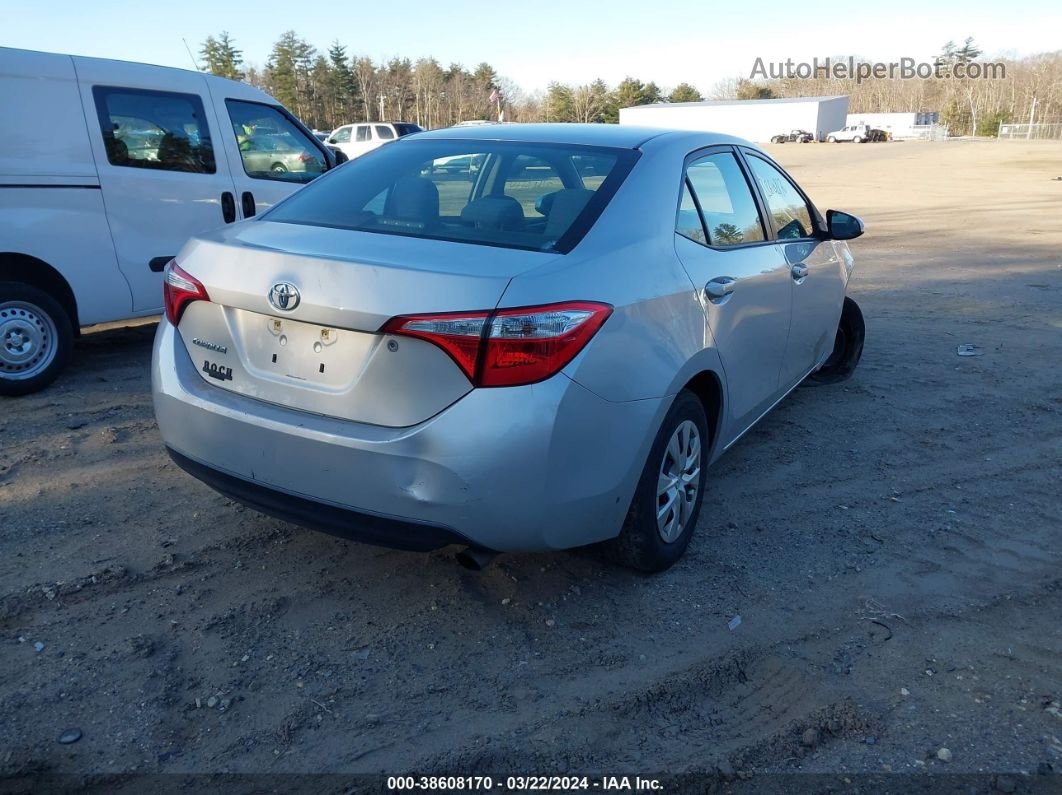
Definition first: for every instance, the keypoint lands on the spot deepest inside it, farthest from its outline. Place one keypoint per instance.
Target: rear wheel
(36, 338)
(668, 498)
(847, 347)
(278, 168)
(857, 140)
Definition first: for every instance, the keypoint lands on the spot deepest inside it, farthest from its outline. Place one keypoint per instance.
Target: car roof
(613, 135)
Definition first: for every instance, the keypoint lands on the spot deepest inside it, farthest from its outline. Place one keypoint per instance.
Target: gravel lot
(892, 546)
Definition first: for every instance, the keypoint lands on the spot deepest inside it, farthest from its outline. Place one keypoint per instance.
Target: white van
(354, 140)
(106, 169)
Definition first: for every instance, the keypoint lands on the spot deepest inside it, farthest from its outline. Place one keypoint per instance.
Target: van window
(341, 136)
(364, 133)
(271, 146)
(384, 133)
(159, 130)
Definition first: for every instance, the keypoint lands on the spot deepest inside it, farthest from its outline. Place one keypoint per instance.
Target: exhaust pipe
(475, 558)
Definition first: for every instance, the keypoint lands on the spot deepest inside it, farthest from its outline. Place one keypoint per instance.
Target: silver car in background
(547, 355)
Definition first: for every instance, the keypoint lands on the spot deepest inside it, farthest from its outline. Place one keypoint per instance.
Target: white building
(901, 125)
(752, 119)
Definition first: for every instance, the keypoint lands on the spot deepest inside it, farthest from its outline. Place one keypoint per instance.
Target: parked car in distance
(519, 362)
(794, 136)
(281, 153)
(463, 165)
(856, 133)
(354, 140)
(879, 136)
(134, 160)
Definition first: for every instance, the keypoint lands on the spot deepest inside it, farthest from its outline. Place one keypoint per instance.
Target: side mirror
(341, 156)
(843, 226)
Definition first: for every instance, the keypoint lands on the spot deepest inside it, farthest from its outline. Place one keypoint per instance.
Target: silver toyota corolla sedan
(544, 354)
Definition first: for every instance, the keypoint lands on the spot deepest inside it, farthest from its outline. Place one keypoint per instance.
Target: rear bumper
(546, 466)
(385, 531)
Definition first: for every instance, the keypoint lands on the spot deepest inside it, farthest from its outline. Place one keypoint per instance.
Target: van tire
(36, 339)
(640, 544)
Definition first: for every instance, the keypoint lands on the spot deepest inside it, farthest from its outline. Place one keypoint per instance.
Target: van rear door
(272, 155)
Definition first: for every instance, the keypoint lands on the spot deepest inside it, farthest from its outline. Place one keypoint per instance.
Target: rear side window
(498, 193)
(384, 133)
(789, 211)
(688, 221)
(158, 130)
(724, 199)
(271, 146)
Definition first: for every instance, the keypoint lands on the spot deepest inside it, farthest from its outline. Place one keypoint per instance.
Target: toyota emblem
(284, 296)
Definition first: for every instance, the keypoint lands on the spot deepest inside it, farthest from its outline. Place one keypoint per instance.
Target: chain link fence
(1030, 132)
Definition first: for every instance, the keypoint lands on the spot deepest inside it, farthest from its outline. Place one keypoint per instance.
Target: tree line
(333, 87)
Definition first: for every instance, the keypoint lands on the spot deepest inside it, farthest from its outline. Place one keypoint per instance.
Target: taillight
(306, 157)
(180, 289)
(508, 347)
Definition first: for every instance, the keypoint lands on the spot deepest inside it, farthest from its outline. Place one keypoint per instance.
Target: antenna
(190, 55)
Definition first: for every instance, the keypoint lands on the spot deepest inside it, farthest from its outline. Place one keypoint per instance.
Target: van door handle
(719, 289)
(247, 200)
(228, 207)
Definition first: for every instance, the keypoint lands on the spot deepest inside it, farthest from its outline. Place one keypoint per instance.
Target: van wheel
(35, 339)
(278, 168)
(847, 347)
(668, 498)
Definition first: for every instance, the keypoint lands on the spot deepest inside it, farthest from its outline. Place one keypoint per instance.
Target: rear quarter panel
(657, 332)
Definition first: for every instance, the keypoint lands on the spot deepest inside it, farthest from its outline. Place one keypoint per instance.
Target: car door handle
(798, 272)
(719, 288)
(228, 207)
(247, 199)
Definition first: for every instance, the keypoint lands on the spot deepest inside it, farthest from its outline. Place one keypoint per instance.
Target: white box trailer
(900, 125)
(754, 119)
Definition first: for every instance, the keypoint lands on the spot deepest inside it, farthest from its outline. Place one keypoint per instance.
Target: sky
(534, 43)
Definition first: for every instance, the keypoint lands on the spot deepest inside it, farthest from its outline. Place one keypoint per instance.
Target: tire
(831, 139)
(847, 347)
(647, 543)
(857, 140)
(36, 338)
(278, 168)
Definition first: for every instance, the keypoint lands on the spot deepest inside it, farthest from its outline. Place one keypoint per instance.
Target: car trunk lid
(324, 352)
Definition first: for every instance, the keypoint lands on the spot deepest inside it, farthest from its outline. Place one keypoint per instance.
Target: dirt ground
(892, 545)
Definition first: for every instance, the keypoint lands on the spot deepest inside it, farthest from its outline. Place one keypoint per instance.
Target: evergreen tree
(221, 57)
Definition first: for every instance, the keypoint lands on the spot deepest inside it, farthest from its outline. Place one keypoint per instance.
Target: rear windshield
(541, 197)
